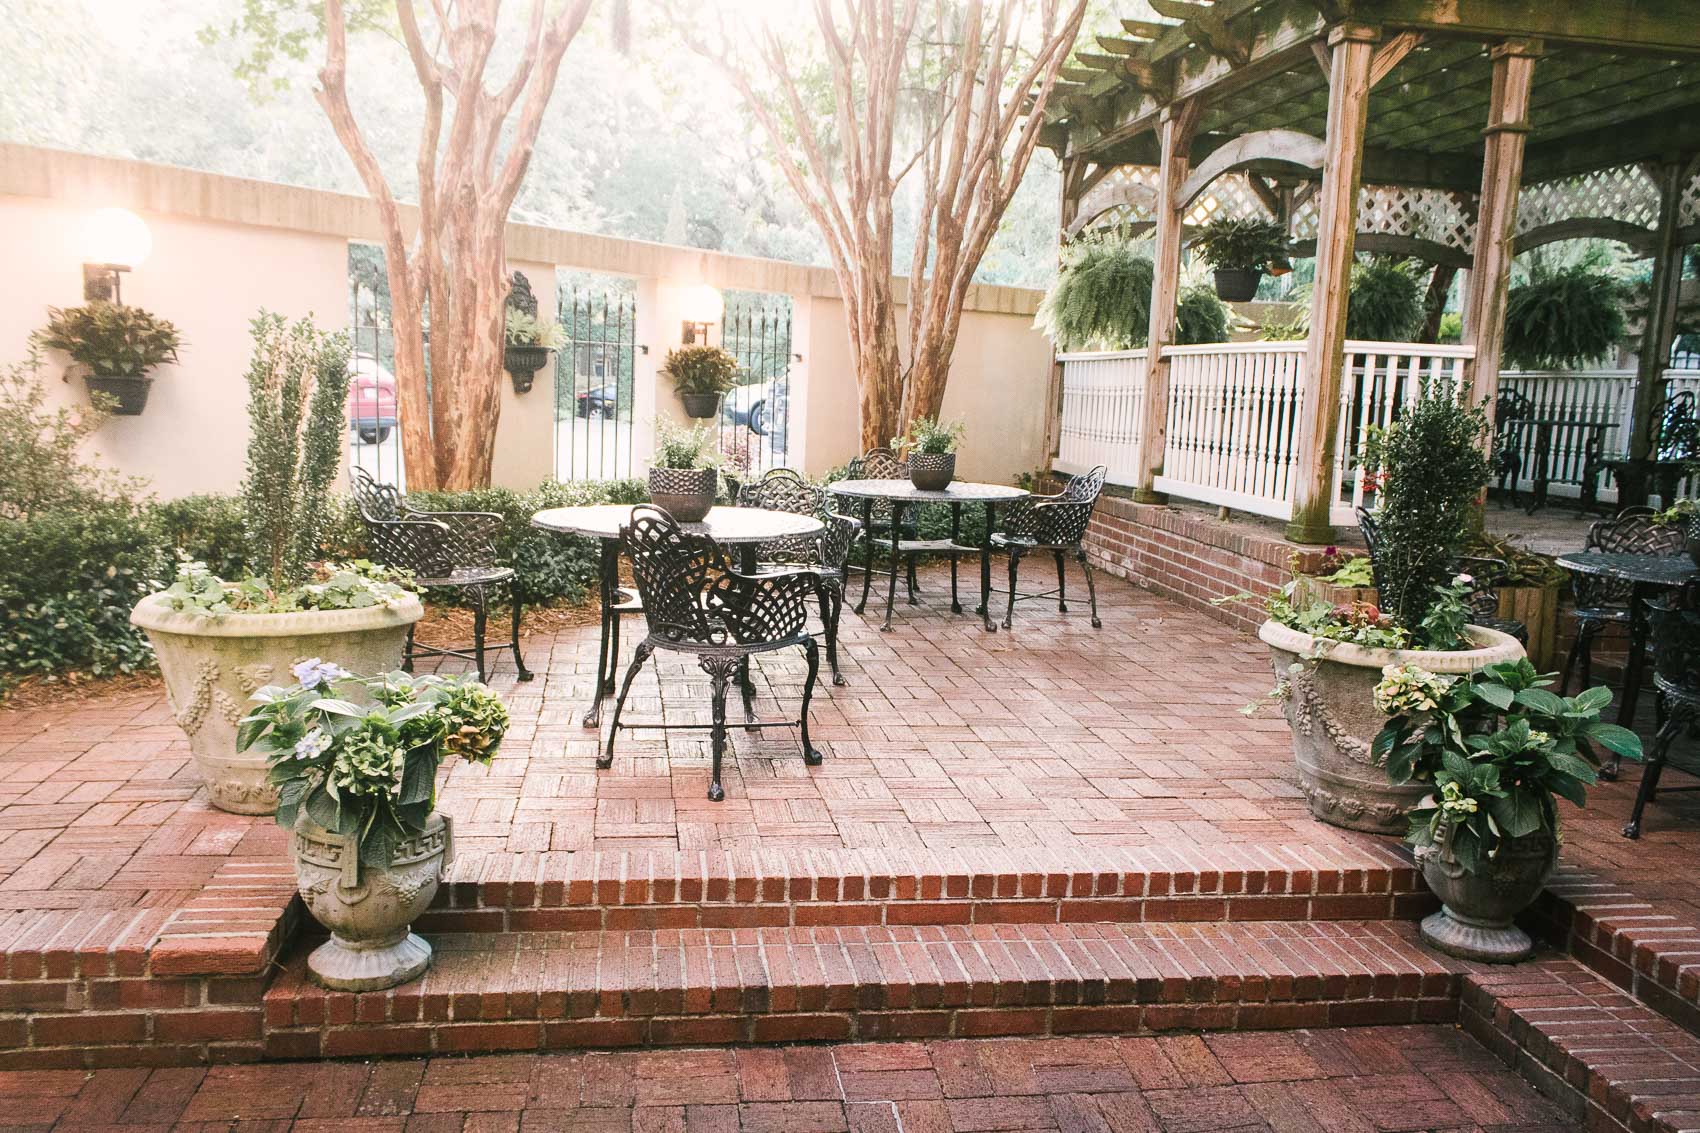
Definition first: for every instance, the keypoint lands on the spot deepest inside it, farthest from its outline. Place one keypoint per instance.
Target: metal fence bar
(755, 418)
(593, 382)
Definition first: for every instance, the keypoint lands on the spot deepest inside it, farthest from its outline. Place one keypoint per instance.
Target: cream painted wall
(525, 432)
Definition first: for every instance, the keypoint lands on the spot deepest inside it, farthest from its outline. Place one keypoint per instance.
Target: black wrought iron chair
(882, 464)
(693, 602)
(1054, 523)
(1676, 676)
(827, 554)
(1602, 602)
(1511, 417)
(447, 550)
(1483, 600)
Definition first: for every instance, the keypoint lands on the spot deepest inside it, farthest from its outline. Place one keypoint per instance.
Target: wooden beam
(1174, 142)
(1348, 113)
(1662, 26)
(1390, 54)
(1208, 26)
(1319, 51)
(1143, 29)
(1496, 214)
(1660, 326)
(1281, 147)
(1641, 241)
(1266, 194)
(1661, 135)
(1393, 244)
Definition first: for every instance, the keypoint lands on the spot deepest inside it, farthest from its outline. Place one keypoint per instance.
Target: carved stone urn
(212, 665)
(1327, 689)
(368, 908)
(1476, 911)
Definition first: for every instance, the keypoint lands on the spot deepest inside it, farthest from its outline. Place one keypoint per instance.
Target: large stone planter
(1475, 918)
(212, 665)
(1331, 710)
(369, 909)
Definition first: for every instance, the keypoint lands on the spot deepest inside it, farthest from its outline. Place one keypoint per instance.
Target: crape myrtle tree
(939, 99)
(480, 124)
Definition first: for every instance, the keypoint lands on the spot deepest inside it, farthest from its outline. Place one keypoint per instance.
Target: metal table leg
(955, 539)
(608, 580)
(985, 609)
(868, 552)
(896, 561)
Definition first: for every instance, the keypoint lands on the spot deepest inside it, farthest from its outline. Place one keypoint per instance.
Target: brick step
(624, 891)
(1612, 1060)
(527, 991)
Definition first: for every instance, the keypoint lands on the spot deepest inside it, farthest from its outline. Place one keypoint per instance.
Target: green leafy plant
(111, 339)
(44, 466)
(355, 585)
(1102, 296)
(1431, 468)
(1451, 328)
(930, 436)
(1497, 746)
(1200, 317)
(1241, 245)
(682, 448)
(1679, 512)
(1355, 573)
(526, 329)
(368, 771)
(1295, 327)
(1385, 304)
(701, 369)
(297, 391)
(1563, 319)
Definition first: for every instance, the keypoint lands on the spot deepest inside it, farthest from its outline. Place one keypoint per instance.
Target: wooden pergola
(1458, 131)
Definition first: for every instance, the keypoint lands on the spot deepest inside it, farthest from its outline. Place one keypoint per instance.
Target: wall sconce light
(703, 307)
(115, 240)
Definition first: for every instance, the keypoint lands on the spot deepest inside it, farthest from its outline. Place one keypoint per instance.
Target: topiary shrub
(1386, 303)
(1102, 297)
(1563, 319)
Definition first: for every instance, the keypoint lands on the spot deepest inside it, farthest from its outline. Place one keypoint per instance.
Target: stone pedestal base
(371, 965)
(1468, 939)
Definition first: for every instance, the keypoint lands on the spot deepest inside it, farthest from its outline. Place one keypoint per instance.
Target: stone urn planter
(130, 391)
(369, 909)
(1475, 918)
(1330, 707)
(212, 665)
(932, 471)
(684, 493)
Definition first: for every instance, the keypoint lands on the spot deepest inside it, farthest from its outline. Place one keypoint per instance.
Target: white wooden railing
(1102, 397)
(1233, 416)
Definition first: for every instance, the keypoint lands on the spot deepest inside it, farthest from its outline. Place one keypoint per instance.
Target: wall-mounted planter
(522, 364)
(700, 405)
(129, 390)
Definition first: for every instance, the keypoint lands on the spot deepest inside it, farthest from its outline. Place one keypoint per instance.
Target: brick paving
(1371, 1078)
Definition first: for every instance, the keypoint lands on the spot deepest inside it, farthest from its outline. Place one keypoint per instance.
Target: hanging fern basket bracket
(522, 364)
(1237, 285)
(129, 392)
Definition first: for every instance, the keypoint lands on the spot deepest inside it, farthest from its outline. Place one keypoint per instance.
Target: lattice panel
(1230, 196)
(1625, 193)
(1124, 198)
(1688, 205)
(1428, 214)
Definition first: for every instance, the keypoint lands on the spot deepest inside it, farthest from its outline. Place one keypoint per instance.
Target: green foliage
(275, 33)
(207, 529)
(1201, 316)
(1563, 319)
(68, 579)
(355, 585)
(1295, 328)
(1355, 623)
(930, 436)
(368, 770)
(1354, 572)
(701, 369)
(1497, 746)
(43, 467)
(524, 329)
(1249, 243)
(677, 447)
(297, 391)
(1431, 468)
(1386, 302)
(1451, 329)
(1102, 296)
(111, 339)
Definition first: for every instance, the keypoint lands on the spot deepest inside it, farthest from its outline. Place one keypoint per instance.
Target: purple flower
(313, 672)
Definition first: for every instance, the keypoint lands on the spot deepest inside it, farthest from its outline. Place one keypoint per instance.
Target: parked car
(371, 400)
(759, 407)
(598, 402)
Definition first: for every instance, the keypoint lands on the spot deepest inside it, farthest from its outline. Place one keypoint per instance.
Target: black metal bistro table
(900, 494)
(1648, 574)
(744, 528)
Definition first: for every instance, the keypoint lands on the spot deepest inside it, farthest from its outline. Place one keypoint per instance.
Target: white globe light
(116, 236)
(704, 304)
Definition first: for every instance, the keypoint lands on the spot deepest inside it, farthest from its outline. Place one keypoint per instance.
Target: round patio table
(743, 528)
(1648, 575)
(900, 494)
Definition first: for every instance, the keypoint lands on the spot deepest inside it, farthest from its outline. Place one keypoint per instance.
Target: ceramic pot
(369, 909)
(212, 665)
(1237, 285)
(684, 493)
(130, 391)
(932, 471)
(1331, 710)
(522, 364)
(1475, 918)
(700, 404)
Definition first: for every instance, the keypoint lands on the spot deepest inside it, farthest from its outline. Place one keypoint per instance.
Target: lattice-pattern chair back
(1676, 643)
(1058, 520)
(784, 490)
(1630, 532)
(692, 598)
(879, 464)
(399, 538)
(1372, 539)
(1674, 428)
(376, 501)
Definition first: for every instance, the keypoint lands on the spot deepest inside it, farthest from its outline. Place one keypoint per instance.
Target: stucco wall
(225, 247)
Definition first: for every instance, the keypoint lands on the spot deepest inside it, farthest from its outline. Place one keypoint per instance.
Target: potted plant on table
(685, 471)
(701, 374)
(218, 641)
(354, 761)
(1490, 751)
(1240, 251)
(1686, 515)
(1328, 656)
(118, 344)
(930, 449)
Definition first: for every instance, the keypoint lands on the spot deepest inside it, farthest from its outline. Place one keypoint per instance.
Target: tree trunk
(1434, 302)
(879, 369)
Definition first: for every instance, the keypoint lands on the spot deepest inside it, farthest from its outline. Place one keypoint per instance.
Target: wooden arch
(1642, 241)
(1274, 147)
(1127, 193)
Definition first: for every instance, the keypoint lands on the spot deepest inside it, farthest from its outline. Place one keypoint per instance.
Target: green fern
(1102, 297)
(1200, 317)
(1563, 319)
(1386, 303)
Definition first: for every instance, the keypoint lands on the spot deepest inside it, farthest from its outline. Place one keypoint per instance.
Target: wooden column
(1656, 336)
(1496, 215)
(1174, 139)
(1337, 202)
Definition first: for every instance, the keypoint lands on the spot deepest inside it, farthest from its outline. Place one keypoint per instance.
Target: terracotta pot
(522, 364)
(932, 471)
(1237, 285)
(700, 405)
(212, 665)
(684, 493)
(1475, 918)
(1330, 707)
(130, 390)
(369, 909)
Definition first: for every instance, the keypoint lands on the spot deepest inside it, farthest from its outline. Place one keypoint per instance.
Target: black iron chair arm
(423, 546)
(475, 532)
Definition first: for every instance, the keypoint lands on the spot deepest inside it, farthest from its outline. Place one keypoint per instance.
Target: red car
(371, 401)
